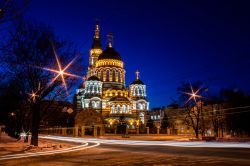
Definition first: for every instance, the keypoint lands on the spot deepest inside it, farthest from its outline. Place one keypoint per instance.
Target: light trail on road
(35, 154)
(154, 143)
(85, 142)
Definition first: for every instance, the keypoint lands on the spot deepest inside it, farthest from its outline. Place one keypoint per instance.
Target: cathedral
(104, 89)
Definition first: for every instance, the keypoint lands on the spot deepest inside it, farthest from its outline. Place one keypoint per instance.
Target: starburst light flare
(33, 95)
(61, 71)
(193, 94)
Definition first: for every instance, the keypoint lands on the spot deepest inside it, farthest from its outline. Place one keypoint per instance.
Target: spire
(96, 41)
(110, 40)
(97, 30)
(137, 74)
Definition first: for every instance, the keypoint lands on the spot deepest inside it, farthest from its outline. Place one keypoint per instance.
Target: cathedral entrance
(89, 130)
(91, 120)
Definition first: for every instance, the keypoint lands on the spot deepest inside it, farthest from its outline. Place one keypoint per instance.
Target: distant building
(157, 114)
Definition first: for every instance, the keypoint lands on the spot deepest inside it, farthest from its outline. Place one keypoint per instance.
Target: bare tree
(11, 10)
(193, 106)
(31, 52)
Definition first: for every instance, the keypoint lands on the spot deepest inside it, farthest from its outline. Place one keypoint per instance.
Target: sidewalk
(10, 145)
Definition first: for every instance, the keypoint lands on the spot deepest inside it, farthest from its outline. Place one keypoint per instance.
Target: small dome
(93, 78)
(137, 81)
(110, 53)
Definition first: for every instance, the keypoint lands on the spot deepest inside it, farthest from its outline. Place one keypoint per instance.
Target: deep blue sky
(168, 41)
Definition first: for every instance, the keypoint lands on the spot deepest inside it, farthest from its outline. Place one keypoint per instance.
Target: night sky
(167, 41)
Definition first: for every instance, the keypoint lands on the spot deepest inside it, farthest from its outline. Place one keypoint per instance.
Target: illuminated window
(140, 106)
(113, 109)
(94, 104)
(82, 102)
(142, 117)
(119, 76)
(123, 109)
(113, 76)
(103, 104)
(107, 75)
(101, 77)
(118, 109)
(143, 106)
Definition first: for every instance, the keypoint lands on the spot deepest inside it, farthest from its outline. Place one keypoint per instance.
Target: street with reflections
(131, 152)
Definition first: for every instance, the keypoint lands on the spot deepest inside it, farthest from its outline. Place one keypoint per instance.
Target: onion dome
(109, 52)
(137, 81)
(93, 78)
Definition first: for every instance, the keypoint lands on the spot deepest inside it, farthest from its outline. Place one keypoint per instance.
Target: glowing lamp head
(23, 134)
(61, 72)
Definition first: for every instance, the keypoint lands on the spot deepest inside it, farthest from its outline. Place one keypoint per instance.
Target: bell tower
(95, 51)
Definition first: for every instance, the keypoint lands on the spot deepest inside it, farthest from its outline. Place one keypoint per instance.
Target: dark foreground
(141, 155)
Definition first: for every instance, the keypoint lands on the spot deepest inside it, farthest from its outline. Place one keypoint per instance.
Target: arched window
(101, 76)
(140, 106)
(140, 91)
(118, 109)
(93, 104)
(82, 102)
(95, 88)
(91, 88)
(107, 75)
(119, 76)
(123, 109)
(113, 109)
(136, 91)
(128, 109)
(143, 106)
(113, 76)
(97, 104)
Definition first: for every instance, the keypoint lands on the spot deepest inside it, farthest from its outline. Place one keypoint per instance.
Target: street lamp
(61, 71)
(193, 95)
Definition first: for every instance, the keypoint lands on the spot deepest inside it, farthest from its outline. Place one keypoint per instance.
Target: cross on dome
(110, 39)
(137, 74)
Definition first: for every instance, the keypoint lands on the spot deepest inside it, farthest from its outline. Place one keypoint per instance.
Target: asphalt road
(118, 154)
